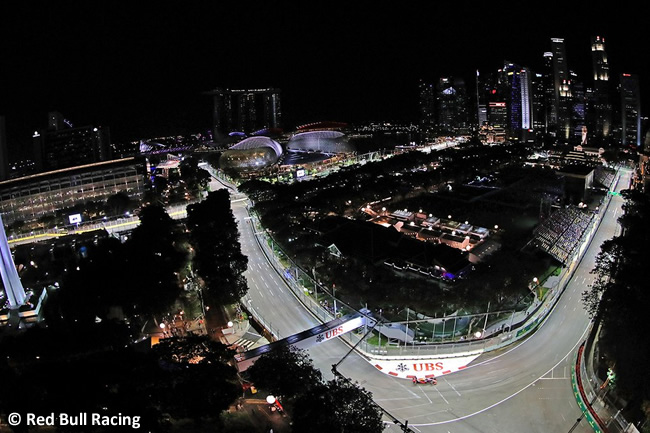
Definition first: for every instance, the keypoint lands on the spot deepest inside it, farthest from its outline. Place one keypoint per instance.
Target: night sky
(140, 70)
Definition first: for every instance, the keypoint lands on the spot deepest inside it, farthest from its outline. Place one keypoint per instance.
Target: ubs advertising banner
(433, 367)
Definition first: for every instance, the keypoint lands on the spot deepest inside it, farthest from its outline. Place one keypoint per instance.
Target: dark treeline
(619, 299)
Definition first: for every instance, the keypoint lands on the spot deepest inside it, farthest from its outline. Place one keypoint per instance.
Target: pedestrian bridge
(305, 339)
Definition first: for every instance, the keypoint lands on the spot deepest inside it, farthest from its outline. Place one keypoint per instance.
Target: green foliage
(285, 372)
(196, 179)
(118, 203)
(337, 406)
(619, 297)
(140, 276)
(316, 406)
(218, 259)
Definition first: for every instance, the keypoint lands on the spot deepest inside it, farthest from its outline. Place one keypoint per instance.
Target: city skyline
(143, 72)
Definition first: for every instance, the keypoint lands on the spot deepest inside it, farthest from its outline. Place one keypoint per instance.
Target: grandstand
(560, 234)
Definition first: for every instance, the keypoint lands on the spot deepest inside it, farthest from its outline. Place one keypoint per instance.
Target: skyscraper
(61, 145)
(245, 110)
(562, 88)
(481, 103)
(550, 107)
(427, 93)
(451, 106)
(515, 87)
(601, 117)
(630, 94)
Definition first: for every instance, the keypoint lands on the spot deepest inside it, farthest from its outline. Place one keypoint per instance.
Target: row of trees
(619, 299)
(217, 259)
(315, 405)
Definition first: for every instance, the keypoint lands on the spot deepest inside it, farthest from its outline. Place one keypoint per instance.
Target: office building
(61, 145)
(518, 93)
(427, 93)
(600, 120)
(630, 94)
(451, 106)
(562, 90)
(578, 110)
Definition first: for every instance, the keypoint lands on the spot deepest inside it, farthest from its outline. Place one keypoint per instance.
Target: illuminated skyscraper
(562, 87)
(451, 106)
(516, 89)
(550, 108)
(630, 94)
(601, 116)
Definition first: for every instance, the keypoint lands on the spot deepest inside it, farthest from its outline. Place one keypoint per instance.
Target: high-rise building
(245, 110)
(630, 94)
(481, 103)
(550, 113)
(562, 88)
(451, 106)
(600, 122)
(498, 114)
(427, 93)
(539, 103)
(62, 146)
(515, 87)
(578, 109)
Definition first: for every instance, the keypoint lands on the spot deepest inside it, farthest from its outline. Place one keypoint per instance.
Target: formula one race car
(424, 380)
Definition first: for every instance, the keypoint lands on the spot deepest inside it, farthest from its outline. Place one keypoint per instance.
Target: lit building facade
(451, 106)
(562, 90)
(600, 122)
(61, 145)
(31, 197)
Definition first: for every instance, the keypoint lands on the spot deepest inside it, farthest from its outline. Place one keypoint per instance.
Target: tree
(195, 178)
(118, 204)
(218, 259)
(199, 382)
(286, 371)
(337, 406)
(155, 256)
(619, 299)
(316, 406)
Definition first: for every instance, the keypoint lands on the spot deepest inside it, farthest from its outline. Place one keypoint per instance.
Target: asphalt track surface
(522, 388)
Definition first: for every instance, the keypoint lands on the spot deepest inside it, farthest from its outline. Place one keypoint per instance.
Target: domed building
(251, 154)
